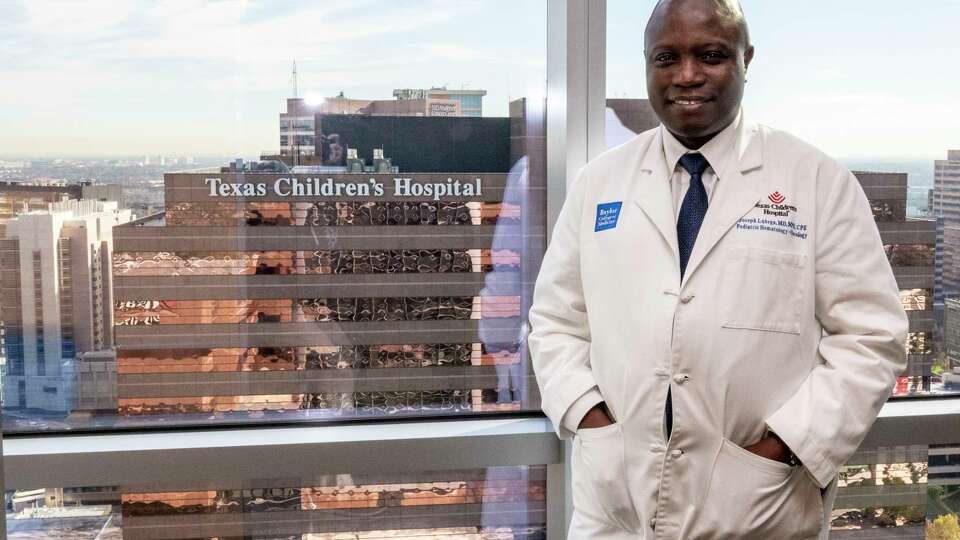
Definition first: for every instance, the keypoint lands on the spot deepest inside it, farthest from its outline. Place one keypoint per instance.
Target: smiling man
(715, 324)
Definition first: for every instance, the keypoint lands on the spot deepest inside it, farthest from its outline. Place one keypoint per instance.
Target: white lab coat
(790, 322)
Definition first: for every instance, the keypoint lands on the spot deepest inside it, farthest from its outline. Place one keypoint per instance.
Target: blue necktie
(692, 211)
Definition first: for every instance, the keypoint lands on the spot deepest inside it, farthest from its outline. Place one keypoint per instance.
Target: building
(910, 247)
(297, 137)
(637, 115)
(417, 144)
(55, 286)
(17, 198)
(951, 336)
(285, 293)
(946, 210)
(470, 101)
(296, 130)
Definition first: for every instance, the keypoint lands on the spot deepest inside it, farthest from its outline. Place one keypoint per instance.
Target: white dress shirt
(718, 152)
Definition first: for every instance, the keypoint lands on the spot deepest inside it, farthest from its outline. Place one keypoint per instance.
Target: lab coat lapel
(737, 195)
(653, 194)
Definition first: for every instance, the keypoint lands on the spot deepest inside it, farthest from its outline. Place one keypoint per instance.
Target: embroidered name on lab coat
(781, 226)
(607, 216)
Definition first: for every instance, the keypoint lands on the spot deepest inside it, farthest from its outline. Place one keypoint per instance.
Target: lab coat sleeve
(862, 349)
(560, 334)
(580, 408)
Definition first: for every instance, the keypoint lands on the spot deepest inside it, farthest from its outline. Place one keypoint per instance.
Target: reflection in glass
(916, 299)
(330, 214)
(386, 261)
(919, 342)
(909, 254)
(497, 503)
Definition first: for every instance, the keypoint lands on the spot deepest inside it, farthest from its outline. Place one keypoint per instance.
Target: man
(715, 324)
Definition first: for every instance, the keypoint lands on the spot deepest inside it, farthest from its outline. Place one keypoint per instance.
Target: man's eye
(714, 56)
(663, 58)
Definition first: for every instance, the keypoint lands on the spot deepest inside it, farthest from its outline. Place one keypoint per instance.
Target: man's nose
(690, 73)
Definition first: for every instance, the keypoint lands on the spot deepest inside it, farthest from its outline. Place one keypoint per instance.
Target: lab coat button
(685, 299)
(680, 378)
(656, 448)
(676, 453)
(653, 522)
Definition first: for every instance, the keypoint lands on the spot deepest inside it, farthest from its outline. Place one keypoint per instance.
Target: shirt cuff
(583, 404)
(804, 447)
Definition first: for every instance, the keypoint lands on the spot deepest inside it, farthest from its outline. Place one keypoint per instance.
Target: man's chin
(690, 131)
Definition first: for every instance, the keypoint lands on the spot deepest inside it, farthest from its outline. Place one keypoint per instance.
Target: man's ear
(748, 57)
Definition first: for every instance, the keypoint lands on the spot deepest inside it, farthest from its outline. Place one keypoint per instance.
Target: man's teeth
(690, 101)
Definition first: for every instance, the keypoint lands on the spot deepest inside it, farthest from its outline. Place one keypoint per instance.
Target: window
(284, 241)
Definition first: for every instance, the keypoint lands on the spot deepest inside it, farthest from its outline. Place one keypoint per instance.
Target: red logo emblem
(776, 197)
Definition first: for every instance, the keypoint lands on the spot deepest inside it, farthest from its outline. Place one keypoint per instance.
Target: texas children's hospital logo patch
(607, 216)
(777, 206)
(777, 216)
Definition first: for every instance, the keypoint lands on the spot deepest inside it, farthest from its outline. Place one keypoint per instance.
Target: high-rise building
(55, 286)
(297, 137)
(910, 247)
(946, 210)
(296, 129)
(333, 292)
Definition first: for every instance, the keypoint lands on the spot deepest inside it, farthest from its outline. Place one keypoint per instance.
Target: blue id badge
(607, 216)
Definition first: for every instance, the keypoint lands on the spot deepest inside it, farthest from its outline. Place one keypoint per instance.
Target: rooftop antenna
(293, 77)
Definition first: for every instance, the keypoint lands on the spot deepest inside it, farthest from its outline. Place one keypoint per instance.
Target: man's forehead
(719, 21)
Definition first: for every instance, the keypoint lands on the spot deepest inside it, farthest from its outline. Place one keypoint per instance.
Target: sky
(869, 79)
(861, 79)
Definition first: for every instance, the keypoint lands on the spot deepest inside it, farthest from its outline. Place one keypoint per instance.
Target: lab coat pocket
(763, 289)
(751, 497)
(600, 486)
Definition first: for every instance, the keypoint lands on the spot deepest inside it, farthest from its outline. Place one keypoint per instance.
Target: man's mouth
(690, 101)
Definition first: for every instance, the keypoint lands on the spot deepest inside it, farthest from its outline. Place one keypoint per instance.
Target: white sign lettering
(328, 187)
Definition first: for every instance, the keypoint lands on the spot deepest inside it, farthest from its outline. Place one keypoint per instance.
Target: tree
(945, 527)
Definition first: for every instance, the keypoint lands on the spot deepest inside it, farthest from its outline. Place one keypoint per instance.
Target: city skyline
(197, 78)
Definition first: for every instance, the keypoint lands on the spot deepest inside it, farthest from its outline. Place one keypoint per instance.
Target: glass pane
(890, 141)
(345, 222)
(497, 503)
(899, 492)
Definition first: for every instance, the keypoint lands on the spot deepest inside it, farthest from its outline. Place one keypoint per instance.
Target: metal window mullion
(3, 491)
(576, 108)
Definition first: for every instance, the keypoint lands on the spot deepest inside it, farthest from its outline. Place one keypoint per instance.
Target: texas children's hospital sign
(329, 187)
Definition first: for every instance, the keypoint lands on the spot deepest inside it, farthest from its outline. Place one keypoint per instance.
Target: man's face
(696, 67)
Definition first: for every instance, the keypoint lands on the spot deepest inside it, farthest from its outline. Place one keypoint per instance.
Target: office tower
(55, 282)
(296, 130)
(340, 289)
(946, 210)
(910, 247)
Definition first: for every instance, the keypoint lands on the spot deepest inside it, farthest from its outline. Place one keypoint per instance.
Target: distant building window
(910, 254)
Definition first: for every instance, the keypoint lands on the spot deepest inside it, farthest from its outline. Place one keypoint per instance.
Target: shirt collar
(717, 150)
